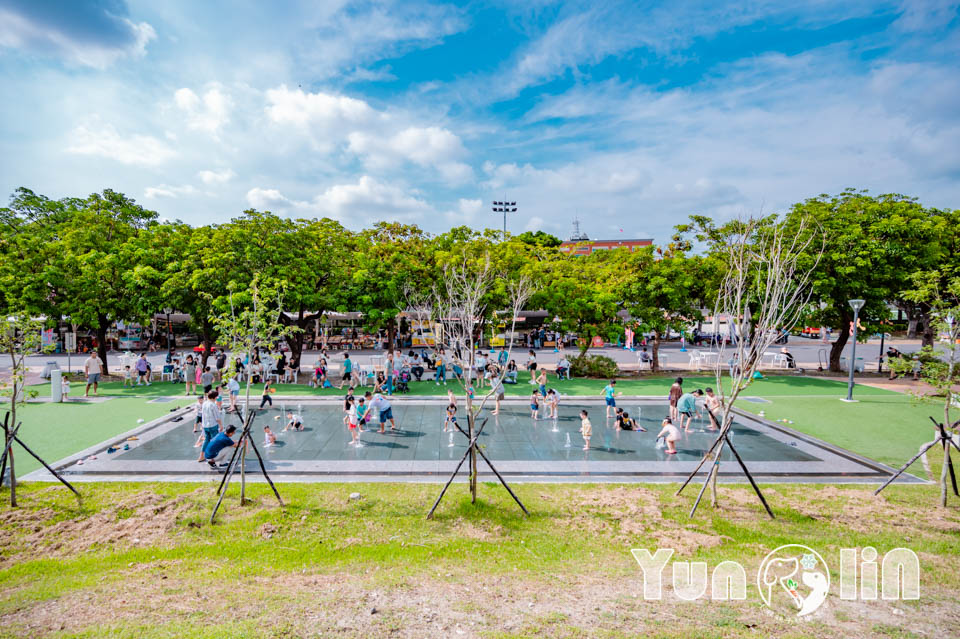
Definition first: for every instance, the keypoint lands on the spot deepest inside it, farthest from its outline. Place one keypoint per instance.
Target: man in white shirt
(210, 419)
(379, 403)
(92, 368)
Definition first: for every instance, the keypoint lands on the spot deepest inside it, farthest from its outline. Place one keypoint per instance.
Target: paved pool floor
(519, 446)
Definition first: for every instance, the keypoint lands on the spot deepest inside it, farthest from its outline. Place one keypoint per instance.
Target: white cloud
(360, 203)
(383, 141)
(165, 190)
(267, 199)
(105, 141)
(95, 40)
(350, 34)
(465, 213)
(208, 113)
(323, 110)
(533, 224)
(424, 146)
(216, 177)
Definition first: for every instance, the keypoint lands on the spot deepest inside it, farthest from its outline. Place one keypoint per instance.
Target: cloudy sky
(629, 115)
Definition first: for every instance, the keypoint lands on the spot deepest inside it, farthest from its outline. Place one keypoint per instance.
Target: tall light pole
(504, 207)
(856, 305)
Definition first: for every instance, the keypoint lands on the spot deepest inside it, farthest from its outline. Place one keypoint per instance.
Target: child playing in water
(609, 396)
(347, 403)
(294, 422)
(535, 405)
(269, 437)
(363, 413)
(551, 401)
(352, 423)
(198, 407)
(625, 422)
(451, 417)
(586, 429)
(671, 434)
(451, 397)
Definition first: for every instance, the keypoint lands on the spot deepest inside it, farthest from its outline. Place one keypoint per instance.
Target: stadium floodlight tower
(504, 207)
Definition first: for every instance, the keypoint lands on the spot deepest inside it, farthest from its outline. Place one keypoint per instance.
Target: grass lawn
(142, 561)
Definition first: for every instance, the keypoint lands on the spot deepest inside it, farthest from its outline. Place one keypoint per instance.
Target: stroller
(403, 382)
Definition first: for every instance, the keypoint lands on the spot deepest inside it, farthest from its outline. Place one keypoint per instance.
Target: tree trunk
(655, 363)
(843, 335)
(927, 336)
(207, 332)
(943, 474)
(391, 334)
(102, 342)
(7, 429)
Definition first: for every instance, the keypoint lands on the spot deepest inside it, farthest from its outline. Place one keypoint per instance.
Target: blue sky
(630, 116)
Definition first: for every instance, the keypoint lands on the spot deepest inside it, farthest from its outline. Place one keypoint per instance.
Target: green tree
(585, 292)
(390, 259)
(308, 259)
(872, 246)
(539, 238)
(665, 290)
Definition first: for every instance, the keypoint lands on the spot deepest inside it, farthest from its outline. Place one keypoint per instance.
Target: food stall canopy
(175, 318)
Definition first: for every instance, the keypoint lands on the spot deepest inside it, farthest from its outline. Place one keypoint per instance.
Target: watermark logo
(793, 577)
(797, 573)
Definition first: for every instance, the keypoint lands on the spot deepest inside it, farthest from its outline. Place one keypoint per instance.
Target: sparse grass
(129, 570)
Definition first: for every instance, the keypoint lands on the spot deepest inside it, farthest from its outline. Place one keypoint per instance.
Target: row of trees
(106, 258)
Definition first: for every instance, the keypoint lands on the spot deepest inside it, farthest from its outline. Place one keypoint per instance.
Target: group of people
(359, 411)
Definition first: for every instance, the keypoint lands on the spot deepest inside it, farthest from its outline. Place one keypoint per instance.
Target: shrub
(593, 366)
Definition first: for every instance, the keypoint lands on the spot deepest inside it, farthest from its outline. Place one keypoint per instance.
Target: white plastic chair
(695, 359)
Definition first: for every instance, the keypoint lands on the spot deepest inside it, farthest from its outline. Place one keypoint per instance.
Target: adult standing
(441, 365)
(498, 394)
(687, 406)
(190, 375)
(93, 369)
(221, 364)
(142, 370)
(388, 365)
(347, 369)
(211, 421)
(676, 391)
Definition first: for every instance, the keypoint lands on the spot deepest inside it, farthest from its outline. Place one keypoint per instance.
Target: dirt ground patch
(144, 518)
(468, 605)
(630, 513)
(859, 510)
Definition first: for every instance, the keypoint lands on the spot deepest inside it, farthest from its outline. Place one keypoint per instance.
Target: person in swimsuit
(671, 434)
(676, 391)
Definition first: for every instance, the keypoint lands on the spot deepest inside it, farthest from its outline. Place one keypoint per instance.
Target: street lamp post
(856, 305)
(169, 329)
(504, 207)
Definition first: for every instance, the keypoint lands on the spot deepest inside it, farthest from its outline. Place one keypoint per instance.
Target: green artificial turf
(55, 431)
(653, 386)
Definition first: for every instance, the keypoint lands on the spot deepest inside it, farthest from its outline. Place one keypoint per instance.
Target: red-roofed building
(580, 244)
(586, 247)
